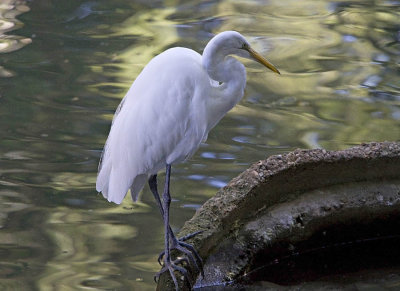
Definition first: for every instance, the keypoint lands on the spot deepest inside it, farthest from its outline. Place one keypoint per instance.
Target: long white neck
(230, 80)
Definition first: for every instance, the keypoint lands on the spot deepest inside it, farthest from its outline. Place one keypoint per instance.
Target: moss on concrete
(288, 198)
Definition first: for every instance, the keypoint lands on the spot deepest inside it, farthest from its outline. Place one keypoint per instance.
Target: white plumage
(168, 111)
(161, 124)
(162, 119)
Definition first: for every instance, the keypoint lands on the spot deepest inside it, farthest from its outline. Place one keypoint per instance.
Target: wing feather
(159, 121)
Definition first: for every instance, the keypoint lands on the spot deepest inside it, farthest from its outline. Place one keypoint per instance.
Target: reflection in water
(9, 10)
(339, 86)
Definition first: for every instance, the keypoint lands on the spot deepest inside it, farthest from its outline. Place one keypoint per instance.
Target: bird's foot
(188, 250)
(172, 266)
(190, 235)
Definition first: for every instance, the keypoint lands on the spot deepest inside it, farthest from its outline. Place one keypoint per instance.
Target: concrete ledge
(283, 201)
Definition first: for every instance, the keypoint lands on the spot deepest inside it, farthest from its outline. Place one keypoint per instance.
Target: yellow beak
(259, 58)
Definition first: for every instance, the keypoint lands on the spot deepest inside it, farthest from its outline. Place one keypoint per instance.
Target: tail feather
(103, 179)
(137, 186)
(119, 184)
(114, 185)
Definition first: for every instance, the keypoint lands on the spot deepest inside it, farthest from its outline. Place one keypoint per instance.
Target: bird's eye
(245, 46)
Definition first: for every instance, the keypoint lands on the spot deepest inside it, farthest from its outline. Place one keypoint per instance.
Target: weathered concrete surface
(285, 199)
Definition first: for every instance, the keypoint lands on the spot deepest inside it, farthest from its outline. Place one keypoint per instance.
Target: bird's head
(233, 43)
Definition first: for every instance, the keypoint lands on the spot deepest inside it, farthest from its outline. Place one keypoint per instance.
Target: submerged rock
(307, 217)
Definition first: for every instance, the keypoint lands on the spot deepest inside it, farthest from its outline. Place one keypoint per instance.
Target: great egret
(168, 111)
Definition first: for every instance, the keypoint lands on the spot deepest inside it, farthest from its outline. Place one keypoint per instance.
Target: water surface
(64, 67)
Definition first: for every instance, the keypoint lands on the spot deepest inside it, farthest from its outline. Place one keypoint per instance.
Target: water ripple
(339, 86)
(9, 10)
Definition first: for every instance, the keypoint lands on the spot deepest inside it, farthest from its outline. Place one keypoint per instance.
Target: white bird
(168, 111)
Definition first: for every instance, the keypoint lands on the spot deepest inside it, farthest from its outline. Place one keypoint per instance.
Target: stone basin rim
(283, 178)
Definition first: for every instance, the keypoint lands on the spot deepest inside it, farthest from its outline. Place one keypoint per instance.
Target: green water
(64, 67)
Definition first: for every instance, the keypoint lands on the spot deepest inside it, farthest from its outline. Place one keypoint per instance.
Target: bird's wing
(159, 121)
(117, 111)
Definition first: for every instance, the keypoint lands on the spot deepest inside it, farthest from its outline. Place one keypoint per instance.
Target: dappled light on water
(65, 67)
(9, 10)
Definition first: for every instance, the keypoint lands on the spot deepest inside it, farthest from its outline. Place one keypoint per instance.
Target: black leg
(166, 204)
(153, 188)
(168, 232)
(171, 242)
(177, 243)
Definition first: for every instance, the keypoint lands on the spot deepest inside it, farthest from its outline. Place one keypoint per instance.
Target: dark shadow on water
(332, 254)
